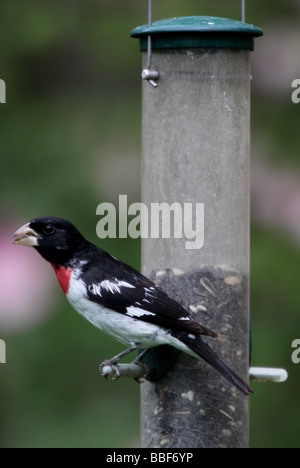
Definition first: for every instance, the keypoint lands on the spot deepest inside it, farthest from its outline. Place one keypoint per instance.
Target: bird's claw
(145, 368)
(110, 370)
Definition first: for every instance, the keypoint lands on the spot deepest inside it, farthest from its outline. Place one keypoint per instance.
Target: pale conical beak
(26, 236)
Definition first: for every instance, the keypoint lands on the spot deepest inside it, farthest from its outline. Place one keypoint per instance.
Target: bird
(118, 299)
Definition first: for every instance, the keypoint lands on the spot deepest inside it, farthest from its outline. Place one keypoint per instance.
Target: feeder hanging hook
(150, 75)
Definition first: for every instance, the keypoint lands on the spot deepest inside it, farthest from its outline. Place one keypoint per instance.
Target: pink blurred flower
(26, 285)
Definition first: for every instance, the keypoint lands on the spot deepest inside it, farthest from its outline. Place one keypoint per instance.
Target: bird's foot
(138, 362)
(110, 370)
(138, 359)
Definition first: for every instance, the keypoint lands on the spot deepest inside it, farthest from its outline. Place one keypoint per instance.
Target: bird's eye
(48, 230)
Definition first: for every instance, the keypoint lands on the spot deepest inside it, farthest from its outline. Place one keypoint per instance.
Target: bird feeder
(195, 183)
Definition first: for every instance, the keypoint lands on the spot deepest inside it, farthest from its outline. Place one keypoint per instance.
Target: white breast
(126, 329)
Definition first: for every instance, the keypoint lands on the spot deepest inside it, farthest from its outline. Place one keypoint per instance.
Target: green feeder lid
(198, 31)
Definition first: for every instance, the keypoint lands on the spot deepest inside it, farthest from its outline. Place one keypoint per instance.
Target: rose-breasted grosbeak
(116, 298)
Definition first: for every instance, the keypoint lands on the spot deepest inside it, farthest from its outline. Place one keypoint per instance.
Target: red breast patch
(64, 276)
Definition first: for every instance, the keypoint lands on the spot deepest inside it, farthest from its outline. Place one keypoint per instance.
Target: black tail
(205, 352)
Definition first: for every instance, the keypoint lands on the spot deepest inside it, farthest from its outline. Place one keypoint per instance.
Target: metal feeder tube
(195, 159)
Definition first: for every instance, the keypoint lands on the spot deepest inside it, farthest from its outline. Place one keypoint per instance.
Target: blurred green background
(69, 140)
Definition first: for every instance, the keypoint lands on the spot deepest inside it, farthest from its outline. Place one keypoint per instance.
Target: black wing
(121, 288)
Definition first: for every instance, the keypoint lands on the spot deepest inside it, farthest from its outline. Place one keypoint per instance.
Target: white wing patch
(193, 337)
(137, 312)
(95, 289)
(149, 292)
(109, 286)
